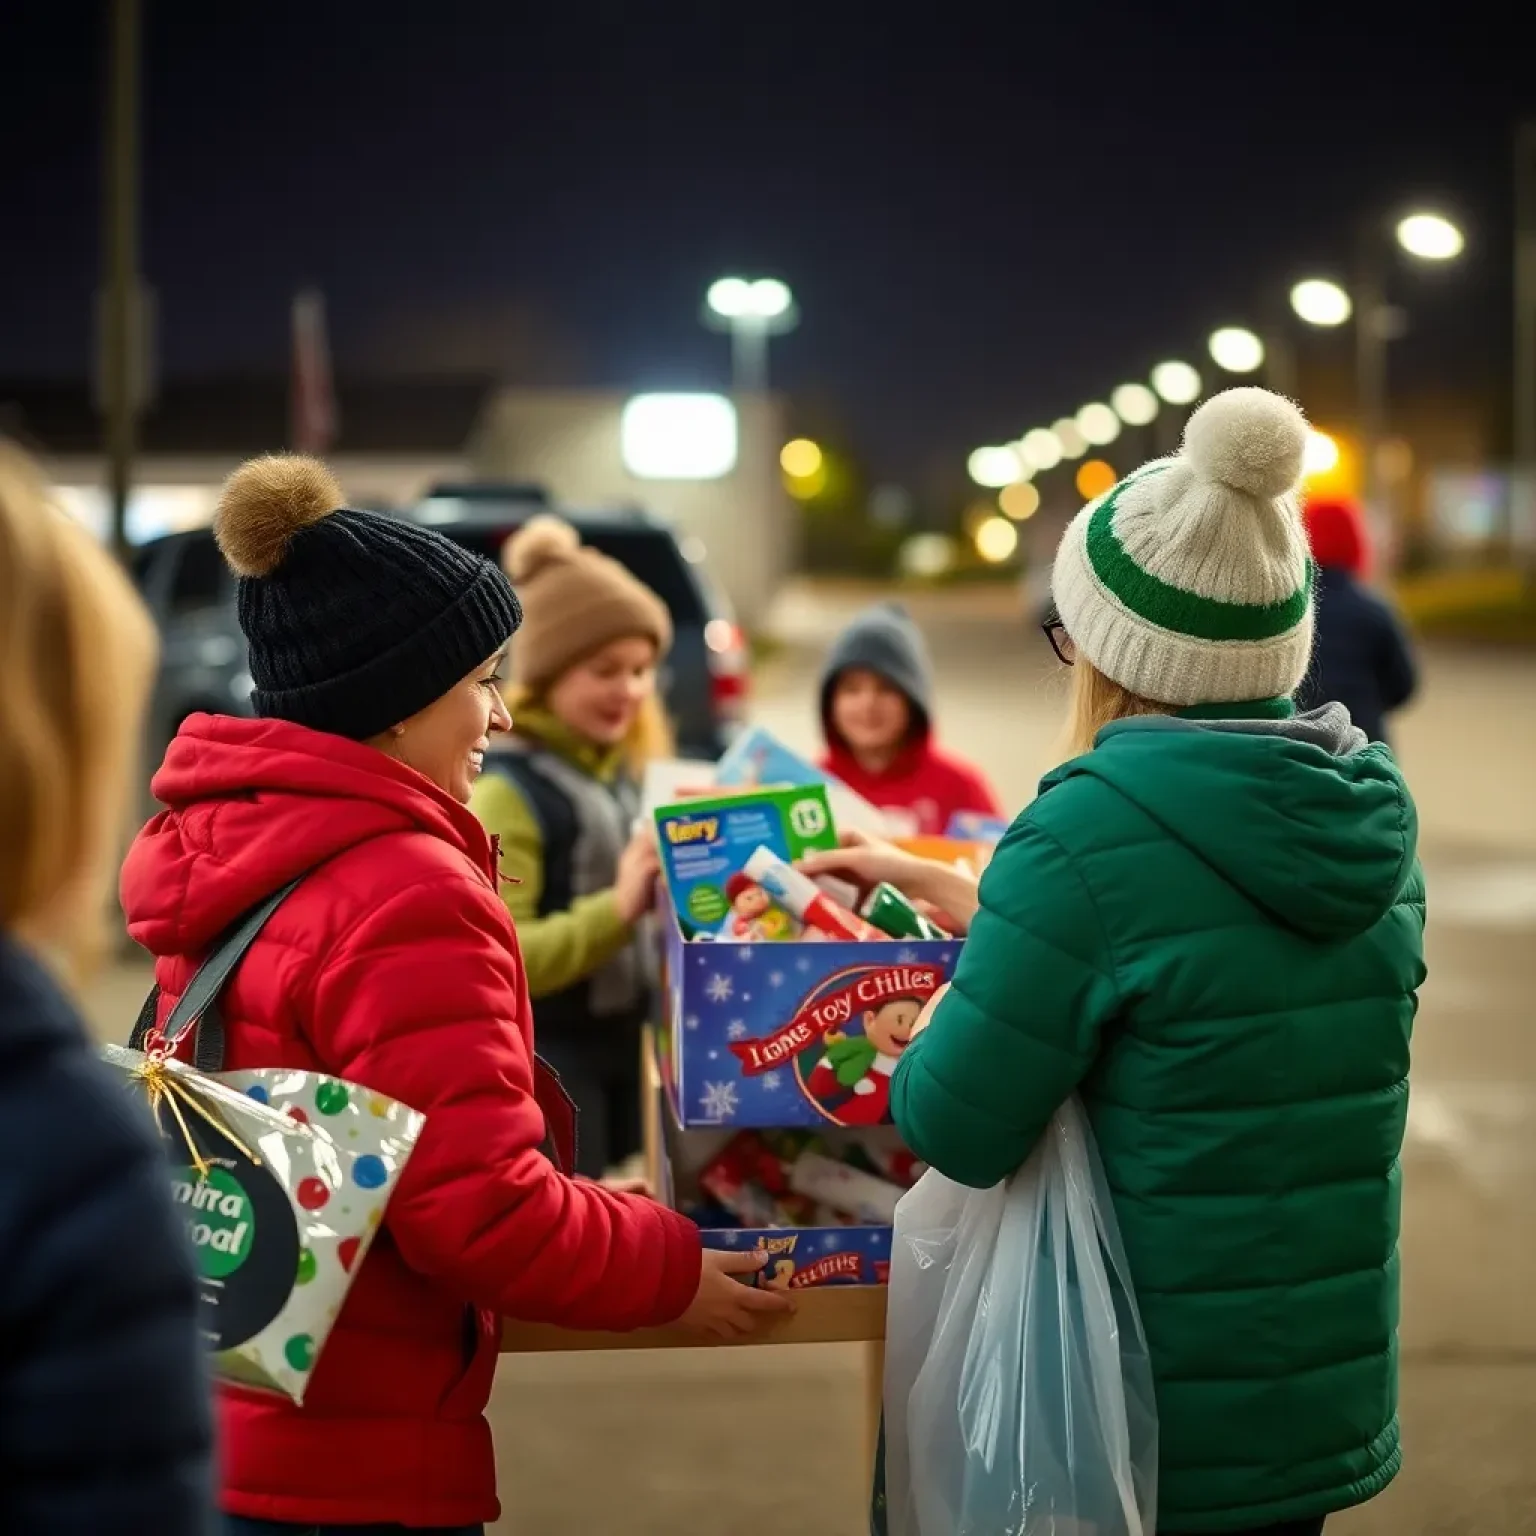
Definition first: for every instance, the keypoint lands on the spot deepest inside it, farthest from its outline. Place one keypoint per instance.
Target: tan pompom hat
(575, 600)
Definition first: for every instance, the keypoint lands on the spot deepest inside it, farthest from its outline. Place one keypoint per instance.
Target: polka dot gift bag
(282, 1176)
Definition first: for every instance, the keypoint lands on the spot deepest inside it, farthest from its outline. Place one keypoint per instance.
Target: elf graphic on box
(852, 1081)
(754, 913)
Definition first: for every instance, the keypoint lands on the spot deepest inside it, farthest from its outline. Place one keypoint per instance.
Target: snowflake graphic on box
(719, 1102)
(736, 1030)
(772, 1081)
(719, 988)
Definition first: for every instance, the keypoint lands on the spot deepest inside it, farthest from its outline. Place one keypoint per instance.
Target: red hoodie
(923, 785)
(393, 965)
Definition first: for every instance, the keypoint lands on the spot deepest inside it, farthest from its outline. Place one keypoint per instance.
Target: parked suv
(203, 664)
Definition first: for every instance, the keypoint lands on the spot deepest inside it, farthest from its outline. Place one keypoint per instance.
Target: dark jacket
(105, 1422)
(1360, 657)
(1213, 932)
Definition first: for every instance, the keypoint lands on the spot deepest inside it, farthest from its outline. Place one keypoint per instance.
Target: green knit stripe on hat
(1173, 608)
(1189, 582)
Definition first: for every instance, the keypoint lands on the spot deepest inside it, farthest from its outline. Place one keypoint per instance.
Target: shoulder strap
(556, 818)
(197, 1007)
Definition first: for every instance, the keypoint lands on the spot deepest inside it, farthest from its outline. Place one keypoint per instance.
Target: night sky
(985, 222)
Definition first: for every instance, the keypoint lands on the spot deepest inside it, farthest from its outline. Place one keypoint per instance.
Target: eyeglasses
(1061, 642)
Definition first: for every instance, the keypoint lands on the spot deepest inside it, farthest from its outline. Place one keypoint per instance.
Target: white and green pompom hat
(1190, 581)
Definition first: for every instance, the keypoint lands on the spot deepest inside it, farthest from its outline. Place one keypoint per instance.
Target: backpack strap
(197, 1007)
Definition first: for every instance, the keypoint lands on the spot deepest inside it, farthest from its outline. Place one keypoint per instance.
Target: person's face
(868, 713)
(889, 1028)
(601, 695)
(751, 902)
(446, 741)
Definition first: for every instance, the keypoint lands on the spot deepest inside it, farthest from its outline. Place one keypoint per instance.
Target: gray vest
(584, 826)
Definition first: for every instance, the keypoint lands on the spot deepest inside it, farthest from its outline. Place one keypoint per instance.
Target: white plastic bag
(1018, 1392)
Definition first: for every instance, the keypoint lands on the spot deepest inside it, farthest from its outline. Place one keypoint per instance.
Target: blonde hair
(77, 653)
(648, 740)
(1096, 701)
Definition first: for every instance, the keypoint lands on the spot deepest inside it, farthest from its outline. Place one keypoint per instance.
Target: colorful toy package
(283, 1177)
(705, 845)
(742, 1195)
(796, 1034)
(757, 756)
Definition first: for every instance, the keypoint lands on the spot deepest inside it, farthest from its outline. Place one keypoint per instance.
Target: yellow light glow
(926, 555)
(1094, 478)
(1019, 500)
(800, 459)
(807, 487)
(996, 539)
(1320, 456)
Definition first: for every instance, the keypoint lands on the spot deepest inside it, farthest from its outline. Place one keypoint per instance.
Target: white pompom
(1249, 439)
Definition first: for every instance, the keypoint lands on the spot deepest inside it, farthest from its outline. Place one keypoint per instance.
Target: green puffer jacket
(1212, 931)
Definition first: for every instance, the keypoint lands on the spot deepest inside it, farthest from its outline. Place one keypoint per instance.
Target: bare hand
(724, 1308)
(635, 882)
(867, 861)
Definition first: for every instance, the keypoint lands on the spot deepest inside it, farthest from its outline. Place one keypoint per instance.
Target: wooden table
(833, 1314)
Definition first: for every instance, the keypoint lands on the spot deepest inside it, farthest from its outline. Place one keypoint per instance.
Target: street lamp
(1176, 382)
(1040, 449)
(995, 467)
(1426, 236)
(1098, 423)
(1073, 444)
(1236, 349)
(1430, 237)
(751, 310)
(1134, 404)
(1318, 301)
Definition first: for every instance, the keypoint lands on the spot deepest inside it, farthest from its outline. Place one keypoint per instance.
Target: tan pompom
(539, 541)
(265, 502)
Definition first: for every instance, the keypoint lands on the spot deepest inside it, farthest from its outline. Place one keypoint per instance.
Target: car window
(649, 554)
(201, 579)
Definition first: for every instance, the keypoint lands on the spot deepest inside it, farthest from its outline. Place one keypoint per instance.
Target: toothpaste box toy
(705, 845)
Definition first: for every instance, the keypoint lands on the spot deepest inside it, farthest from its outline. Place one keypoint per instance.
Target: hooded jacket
(393, 965)
(922, 785)
(1212, 931)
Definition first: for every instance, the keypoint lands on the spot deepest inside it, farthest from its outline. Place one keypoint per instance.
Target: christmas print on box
(794, 1034)
(809, 1256)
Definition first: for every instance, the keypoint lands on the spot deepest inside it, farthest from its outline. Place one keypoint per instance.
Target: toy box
(705, 842)
(974, 827)
(757, 756)
(792, 1034)
(799, 1258)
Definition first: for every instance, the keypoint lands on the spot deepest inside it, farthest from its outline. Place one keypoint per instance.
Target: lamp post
(1525, 298)
(751, 310)
(122, 314)
(1319, 301)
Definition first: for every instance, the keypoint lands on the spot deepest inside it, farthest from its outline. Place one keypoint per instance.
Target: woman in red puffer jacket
(375, 647)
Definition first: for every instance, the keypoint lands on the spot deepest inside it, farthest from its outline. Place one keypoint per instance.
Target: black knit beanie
(355, 621)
